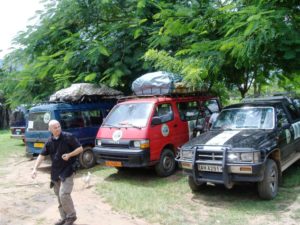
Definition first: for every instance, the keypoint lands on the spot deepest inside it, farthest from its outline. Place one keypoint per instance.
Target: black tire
(268, 187)
(195, 187)
(87, 158)
(166, 165)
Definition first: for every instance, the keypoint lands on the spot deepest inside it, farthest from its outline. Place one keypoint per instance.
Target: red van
(145, 131)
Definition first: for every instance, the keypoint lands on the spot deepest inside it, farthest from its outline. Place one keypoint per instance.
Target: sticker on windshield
(30, 124)
(117, 135)
(287, 136)
(46, 117)
(165, 130)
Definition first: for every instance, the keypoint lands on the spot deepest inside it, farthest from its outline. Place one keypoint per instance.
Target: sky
(14, 17)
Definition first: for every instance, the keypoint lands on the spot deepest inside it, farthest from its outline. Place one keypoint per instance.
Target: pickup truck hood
(233, 138)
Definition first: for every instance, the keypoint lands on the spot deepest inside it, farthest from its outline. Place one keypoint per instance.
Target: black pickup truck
(253, 141)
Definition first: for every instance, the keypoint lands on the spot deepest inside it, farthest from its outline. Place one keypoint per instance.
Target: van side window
(93, 118)
(164, 112)
(71, 120)
(188, 110)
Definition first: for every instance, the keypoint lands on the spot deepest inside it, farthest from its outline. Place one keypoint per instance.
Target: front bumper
(227, 176)
(17, 136)
(205, 169)
(126, 157)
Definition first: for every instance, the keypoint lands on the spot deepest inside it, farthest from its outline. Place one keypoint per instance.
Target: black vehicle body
(230, 155)
(17, 122)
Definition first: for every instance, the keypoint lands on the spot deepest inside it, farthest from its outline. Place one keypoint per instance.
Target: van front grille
(108, 143)
(111, 145)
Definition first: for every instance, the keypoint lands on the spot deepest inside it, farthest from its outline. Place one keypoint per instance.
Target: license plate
(38, 145)
(210, 168)
(113, 163)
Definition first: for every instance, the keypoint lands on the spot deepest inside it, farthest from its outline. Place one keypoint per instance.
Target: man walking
(62, 148)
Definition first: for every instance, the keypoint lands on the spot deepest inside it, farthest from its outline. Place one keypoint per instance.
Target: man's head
(54, 128)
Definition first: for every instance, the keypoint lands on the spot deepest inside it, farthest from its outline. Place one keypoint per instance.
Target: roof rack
(171, 95)
(268, 98)
(83, 100)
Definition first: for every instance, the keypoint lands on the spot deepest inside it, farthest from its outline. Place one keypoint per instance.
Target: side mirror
(283, 125)
(156, 120)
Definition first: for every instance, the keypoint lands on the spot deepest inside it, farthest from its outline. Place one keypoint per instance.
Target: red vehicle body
(148, 130)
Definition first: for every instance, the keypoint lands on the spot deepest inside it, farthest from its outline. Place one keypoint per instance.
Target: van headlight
(142, 144)
(98, 142)
(241, 157)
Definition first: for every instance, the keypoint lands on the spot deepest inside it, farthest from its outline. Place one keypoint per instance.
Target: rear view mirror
(156, 120)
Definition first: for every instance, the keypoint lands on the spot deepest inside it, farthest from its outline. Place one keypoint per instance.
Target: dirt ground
(24, 201)
(31, 202)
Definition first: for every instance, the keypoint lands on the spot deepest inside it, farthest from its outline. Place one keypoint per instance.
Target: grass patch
(10, 146)
(169, 200)
(289, 180)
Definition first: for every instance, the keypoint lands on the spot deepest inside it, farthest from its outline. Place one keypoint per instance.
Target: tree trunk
(4, 116)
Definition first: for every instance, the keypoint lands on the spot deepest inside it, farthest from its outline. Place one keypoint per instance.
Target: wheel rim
(87, 157)
(168, 162)
(273, 180)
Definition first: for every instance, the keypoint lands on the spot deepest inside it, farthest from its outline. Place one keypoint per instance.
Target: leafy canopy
(219, 45)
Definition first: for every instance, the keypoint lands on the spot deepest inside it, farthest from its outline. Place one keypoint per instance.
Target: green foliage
(80, 41)
(191, 70)
(219, 45)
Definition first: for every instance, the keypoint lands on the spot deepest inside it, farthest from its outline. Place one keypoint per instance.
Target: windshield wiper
(245, 127)
(110, 125)
(129, 125)
(132, 125)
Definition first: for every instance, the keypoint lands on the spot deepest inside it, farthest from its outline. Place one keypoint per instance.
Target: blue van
(81, 119)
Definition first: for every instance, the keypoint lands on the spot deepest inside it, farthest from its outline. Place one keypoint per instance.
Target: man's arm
(77, 151)
(38, 162)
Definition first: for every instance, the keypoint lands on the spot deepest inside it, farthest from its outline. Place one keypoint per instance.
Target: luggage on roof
(84, 92)
(156, 83)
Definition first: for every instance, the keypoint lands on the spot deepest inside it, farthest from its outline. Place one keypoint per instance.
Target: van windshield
(38, 121)
(129, 115)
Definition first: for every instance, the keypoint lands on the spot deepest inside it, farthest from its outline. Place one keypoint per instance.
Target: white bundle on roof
(78, 92)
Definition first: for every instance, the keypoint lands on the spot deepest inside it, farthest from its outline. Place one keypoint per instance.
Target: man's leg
(56, 188)
(65, 190)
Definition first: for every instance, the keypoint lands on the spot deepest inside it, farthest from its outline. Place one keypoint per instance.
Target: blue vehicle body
(81, 119)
